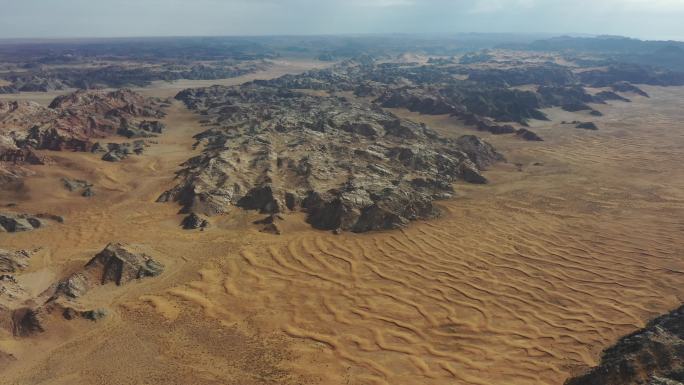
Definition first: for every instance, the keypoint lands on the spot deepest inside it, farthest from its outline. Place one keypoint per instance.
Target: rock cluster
(653, 355)
(116, 263)
(24, 315)
(117, 76)
(84, 187)
(14, 223)
(72, 121)
(13, 261)
(349, 165)
(115, 152)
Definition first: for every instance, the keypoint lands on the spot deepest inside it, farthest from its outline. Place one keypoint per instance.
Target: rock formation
(653, 355)
(14, 223)
(13, 261)
(348, 165)
(72, 121)
(116, 263)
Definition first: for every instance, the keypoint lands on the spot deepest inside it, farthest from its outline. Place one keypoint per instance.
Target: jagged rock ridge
(348, 165)
(653, 355)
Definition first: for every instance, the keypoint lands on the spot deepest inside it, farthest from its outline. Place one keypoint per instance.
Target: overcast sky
(655, 19)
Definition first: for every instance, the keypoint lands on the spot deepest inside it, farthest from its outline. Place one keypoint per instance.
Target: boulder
(529, 135)
(119, 264)
(194, 221)
(13, 261)
(587, 126)
(13, 223)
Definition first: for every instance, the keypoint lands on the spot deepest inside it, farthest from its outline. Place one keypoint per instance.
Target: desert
(504, 215)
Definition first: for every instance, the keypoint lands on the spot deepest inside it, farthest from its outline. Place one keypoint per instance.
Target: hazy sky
(77, 18)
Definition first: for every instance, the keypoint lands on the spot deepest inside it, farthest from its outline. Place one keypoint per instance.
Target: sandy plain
(577, 241)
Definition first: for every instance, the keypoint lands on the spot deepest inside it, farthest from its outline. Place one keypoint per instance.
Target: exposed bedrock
(349, 165)
(74, 122)
(653, 355)
(117, 263)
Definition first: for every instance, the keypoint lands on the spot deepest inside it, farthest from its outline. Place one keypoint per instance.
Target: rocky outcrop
(116, 152)
(23, 314)
(72, 121)
(546, 75)
(26, 322)
(348, 165)
(13, 261)
(632, 73)
(194, 222)
(628, 88)
(417, 100)
(117, 263)
(529, 135)
(587, 126)
(120, 76)
(653, 355)
(14, 223)
(83, 187)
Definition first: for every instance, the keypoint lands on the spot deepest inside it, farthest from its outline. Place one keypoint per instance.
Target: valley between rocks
(575, 242)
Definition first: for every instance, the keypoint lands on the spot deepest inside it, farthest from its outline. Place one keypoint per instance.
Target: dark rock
(270, 228)
(194, 221)
(120, 265)
(51, 217)
(94, 315)
(480, 152)
(12, 223)
(119, 151)
(650, 356)
(26, 322)
(609, 95)
(587, 126)
(117, 263)
(627, 87)
(260, 198)
(529, 135)
(13, 261)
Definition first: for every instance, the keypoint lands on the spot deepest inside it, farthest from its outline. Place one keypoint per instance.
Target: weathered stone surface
(194, 222)
(13, 261)
(349, 165)
(653, 355)
(529, 135)
(117, 263)
(587, 126)
(26, 322)
(14, 223)
(72, 121)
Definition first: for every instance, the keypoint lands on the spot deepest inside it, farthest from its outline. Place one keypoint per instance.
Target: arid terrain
(575, 241)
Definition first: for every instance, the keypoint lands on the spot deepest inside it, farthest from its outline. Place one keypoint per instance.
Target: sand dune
(577, 241)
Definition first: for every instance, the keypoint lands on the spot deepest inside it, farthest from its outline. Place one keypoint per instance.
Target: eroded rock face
(349, 165)
(27, 321)
(117, 263)
(653, 355)
(194, 222)
(116, 152)
(529, 135)
(14, 223)
(72, 121)
(13, 261)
